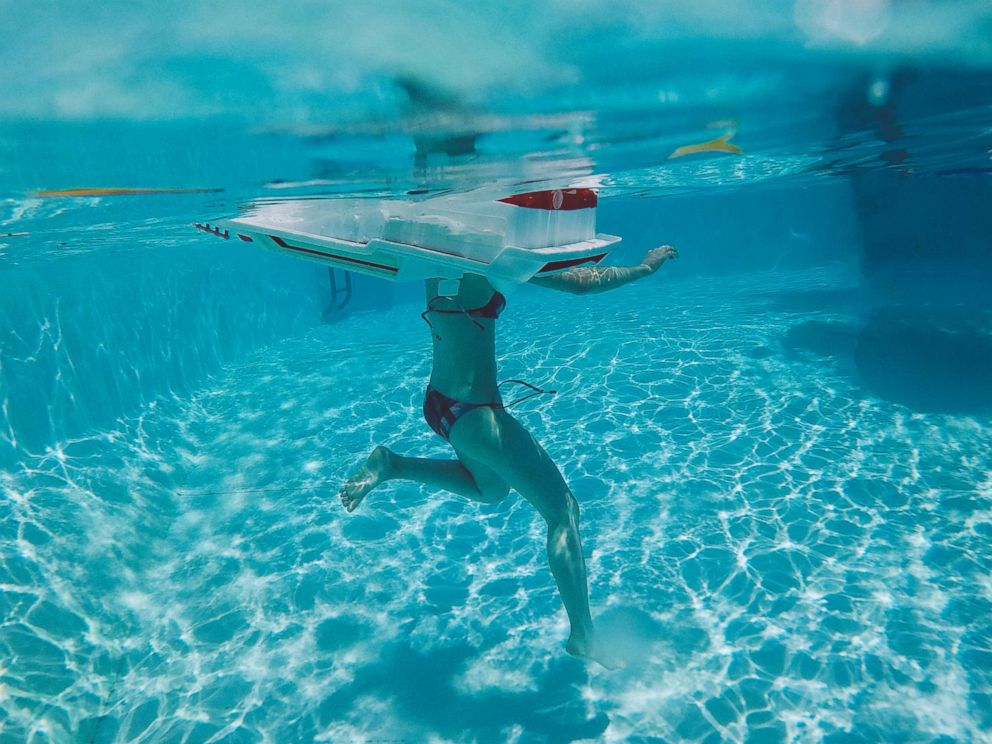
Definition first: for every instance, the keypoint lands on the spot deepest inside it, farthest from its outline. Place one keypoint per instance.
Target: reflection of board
(508, 240)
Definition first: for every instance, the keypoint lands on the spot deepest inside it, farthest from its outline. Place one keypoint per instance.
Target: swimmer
(494, 452)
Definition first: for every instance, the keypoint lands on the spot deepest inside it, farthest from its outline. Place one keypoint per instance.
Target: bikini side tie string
(534, 391)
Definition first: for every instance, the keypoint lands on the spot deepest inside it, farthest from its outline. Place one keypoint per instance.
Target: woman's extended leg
(499, 442)
(449, 475)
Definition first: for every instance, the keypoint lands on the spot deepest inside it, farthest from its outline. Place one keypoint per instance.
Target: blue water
(781, 443)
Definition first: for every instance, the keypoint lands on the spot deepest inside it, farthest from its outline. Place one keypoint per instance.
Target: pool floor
(783, 542)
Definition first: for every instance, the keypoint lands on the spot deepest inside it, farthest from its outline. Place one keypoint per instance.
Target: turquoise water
(780, 443)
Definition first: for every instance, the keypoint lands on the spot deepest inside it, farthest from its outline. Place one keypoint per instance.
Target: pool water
(781, 443)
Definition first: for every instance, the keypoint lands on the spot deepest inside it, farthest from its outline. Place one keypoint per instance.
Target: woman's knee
(492, 489)
(565, 514)
(492, 493)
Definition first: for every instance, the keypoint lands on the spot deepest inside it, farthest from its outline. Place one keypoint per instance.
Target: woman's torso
(464, 343)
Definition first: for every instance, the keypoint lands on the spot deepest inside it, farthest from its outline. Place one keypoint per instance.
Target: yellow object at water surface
(720, 144)
(118, 191)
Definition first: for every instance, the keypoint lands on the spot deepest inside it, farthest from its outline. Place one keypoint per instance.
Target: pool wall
(95, 336)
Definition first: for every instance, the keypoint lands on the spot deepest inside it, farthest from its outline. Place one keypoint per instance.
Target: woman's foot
(585, 647)
(375, 470)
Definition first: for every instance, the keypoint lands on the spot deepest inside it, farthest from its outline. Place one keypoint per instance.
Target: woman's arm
(589, 279)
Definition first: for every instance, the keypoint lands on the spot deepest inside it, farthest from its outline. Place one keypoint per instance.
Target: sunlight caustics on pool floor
(781, 547)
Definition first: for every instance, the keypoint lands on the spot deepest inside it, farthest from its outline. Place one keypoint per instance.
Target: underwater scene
(733, 261)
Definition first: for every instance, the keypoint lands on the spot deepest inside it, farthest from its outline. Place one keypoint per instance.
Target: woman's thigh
(498, 442)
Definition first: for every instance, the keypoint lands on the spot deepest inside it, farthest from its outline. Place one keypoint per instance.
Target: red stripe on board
(246, 238)
(280, 242)
(555, 265)
(559, 199)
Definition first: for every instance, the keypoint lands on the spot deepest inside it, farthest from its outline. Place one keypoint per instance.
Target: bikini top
(491, 310)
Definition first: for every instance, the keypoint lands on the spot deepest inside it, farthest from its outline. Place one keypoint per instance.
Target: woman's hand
(657, 256)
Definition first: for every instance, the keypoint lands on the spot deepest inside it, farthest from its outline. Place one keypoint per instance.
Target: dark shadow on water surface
(927, 360)
(423, 687)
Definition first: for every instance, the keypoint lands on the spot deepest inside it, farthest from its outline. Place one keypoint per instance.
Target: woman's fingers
(656, 256)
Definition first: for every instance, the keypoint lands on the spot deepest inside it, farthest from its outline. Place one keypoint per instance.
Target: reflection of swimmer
(494, 452)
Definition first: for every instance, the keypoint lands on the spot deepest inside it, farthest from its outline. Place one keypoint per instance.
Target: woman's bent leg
(383, 465)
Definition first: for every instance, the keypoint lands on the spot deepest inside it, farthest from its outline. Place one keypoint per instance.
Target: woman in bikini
(494, 452)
